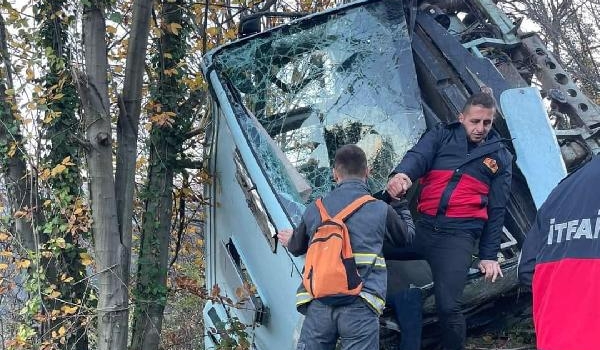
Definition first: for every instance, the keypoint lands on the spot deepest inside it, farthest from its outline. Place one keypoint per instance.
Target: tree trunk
(151, 289)
(128, 124)
(61, 132)
(112, 292)
(165, 144)
(18, 182)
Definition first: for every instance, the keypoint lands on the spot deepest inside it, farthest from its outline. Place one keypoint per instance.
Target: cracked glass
(302, 90)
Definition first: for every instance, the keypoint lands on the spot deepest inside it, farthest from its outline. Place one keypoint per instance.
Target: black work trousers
(449, 255)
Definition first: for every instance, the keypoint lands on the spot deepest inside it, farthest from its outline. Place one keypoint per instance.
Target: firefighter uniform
(561, 261)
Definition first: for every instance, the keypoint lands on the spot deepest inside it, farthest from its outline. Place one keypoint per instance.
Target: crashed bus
(377, 73)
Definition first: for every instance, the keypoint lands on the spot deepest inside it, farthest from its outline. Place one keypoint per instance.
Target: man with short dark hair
(465, 173)
(354, 320)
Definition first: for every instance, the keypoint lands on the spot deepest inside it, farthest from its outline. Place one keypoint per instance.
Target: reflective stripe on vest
(303, 298)
(367, 259)
(374, 302)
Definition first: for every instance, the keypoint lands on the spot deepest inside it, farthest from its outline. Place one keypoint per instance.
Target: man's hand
(398, 185)
(491, 269)
(284, 236)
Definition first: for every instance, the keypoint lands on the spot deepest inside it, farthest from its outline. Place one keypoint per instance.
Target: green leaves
(116, 17)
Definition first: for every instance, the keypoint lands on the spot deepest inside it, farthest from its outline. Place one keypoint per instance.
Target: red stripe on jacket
(566, 304)
(434, 183)
(468, 199)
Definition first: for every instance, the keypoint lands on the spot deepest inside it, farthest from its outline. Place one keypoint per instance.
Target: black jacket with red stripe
(561, 261)
(462, 188)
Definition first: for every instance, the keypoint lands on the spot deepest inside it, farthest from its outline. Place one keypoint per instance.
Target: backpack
(330, 268)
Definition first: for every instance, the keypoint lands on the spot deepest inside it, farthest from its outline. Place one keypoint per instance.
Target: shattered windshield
(302, 90)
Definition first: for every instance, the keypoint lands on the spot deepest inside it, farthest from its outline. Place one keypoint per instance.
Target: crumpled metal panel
(537, 151)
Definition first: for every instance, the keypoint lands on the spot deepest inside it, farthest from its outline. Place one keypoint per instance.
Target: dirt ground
(520, 337)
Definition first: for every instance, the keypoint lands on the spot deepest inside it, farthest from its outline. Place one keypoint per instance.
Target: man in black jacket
(465, 172)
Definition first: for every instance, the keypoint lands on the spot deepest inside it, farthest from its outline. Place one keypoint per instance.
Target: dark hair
(483, 98)
(350, 161)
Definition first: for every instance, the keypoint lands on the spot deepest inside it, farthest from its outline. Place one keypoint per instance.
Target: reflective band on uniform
(303, 298)
(367, 259)
(380, 262)
(375, 302)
